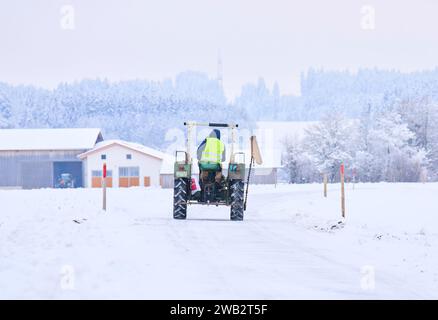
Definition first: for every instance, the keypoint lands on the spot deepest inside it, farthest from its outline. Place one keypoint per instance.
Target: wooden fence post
(325, 185)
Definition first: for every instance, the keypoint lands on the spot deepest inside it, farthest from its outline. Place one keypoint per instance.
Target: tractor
(231, 189)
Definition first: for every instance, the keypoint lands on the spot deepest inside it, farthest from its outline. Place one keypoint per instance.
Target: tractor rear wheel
(237, 196)
(180, 196)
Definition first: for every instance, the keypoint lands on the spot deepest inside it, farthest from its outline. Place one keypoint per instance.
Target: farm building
(36, 158)
(128, 164)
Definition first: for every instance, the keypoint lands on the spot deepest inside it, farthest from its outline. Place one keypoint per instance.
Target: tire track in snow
(197, 245)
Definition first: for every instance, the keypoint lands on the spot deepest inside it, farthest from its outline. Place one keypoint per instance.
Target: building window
(134, 172)
(129, 171)
(98, 173)
(129, 156)
(123, 172)
(129, 177)
(103, 156)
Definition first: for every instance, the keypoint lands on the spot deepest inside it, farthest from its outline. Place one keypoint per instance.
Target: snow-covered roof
(49, 139)
(130, 145)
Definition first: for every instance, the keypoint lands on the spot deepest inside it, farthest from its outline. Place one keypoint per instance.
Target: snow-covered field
(287, 246)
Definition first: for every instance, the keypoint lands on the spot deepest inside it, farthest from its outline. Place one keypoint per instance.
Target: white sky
(274, 39)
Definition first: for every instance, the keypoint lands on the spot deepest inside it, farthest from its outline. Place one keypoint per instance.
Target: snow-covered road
(285, 248)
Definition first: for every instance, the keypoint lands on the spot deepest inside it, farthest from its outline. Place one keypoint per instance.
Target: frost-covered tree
(144, 111)
(329, 143)
(420, 113)
(297, 165)
(5, 110)
(197, 85)
(390, 156)
(137, 110)
(261, 103)
(432, 145)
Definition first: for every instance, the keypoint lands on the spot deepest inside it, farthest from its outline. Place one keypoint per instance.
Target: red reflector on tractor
(193, 184)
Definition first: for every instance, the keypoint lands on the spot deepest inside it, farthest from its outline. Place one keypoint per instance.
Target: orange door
(109, 182)
(147, 181)
(129, 177)
(123, 182)
(96, 182)
(134, 181)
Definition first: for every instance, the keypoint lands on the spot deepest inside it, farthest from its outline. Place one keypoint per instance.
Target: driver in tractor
(211, 152)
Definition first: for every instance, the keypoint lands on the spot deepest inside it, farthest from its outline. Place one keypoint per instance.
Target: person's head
(215, 133)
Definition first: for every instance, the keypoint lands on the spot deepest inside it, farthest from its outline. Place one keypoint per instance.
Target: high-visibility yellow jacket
(213, 151)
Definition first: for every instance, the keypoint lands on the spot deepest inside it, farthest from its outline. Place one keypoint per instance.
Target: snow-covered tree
(5, 110)
(389, 105)
(329, 143)
(390, 155)
(297, 165)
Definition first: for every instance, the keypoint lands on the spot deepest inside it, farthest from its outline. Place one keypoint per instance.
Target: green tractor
(229, 192)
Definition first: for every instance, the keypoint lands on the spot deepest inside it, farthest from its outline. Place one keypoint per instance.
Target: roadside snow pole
(342, 190)
(104, 186)
(325, 185)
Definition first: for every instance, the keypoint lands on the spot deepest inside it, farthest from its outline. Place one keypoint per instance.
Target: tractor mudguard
(182, 170)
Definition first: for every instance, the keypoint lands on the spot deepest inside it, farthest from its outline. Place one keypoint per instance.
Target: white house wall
(116, 157)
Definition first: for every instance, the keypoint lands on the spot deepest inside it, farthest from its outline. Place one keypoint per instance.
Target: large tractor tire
(180, 196)
(237, 197)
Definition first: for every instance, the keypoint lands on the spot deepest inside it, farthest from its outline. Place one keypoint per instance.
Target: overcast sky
(274, 39)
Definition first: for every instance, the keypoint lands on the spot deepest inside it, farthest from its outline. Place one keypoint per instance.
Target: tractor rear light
(193, 184)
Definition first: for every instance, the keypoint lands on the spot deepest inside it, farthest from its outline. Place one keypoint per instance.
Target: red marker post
(104, 170)
(342, 171)
(104, 186)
